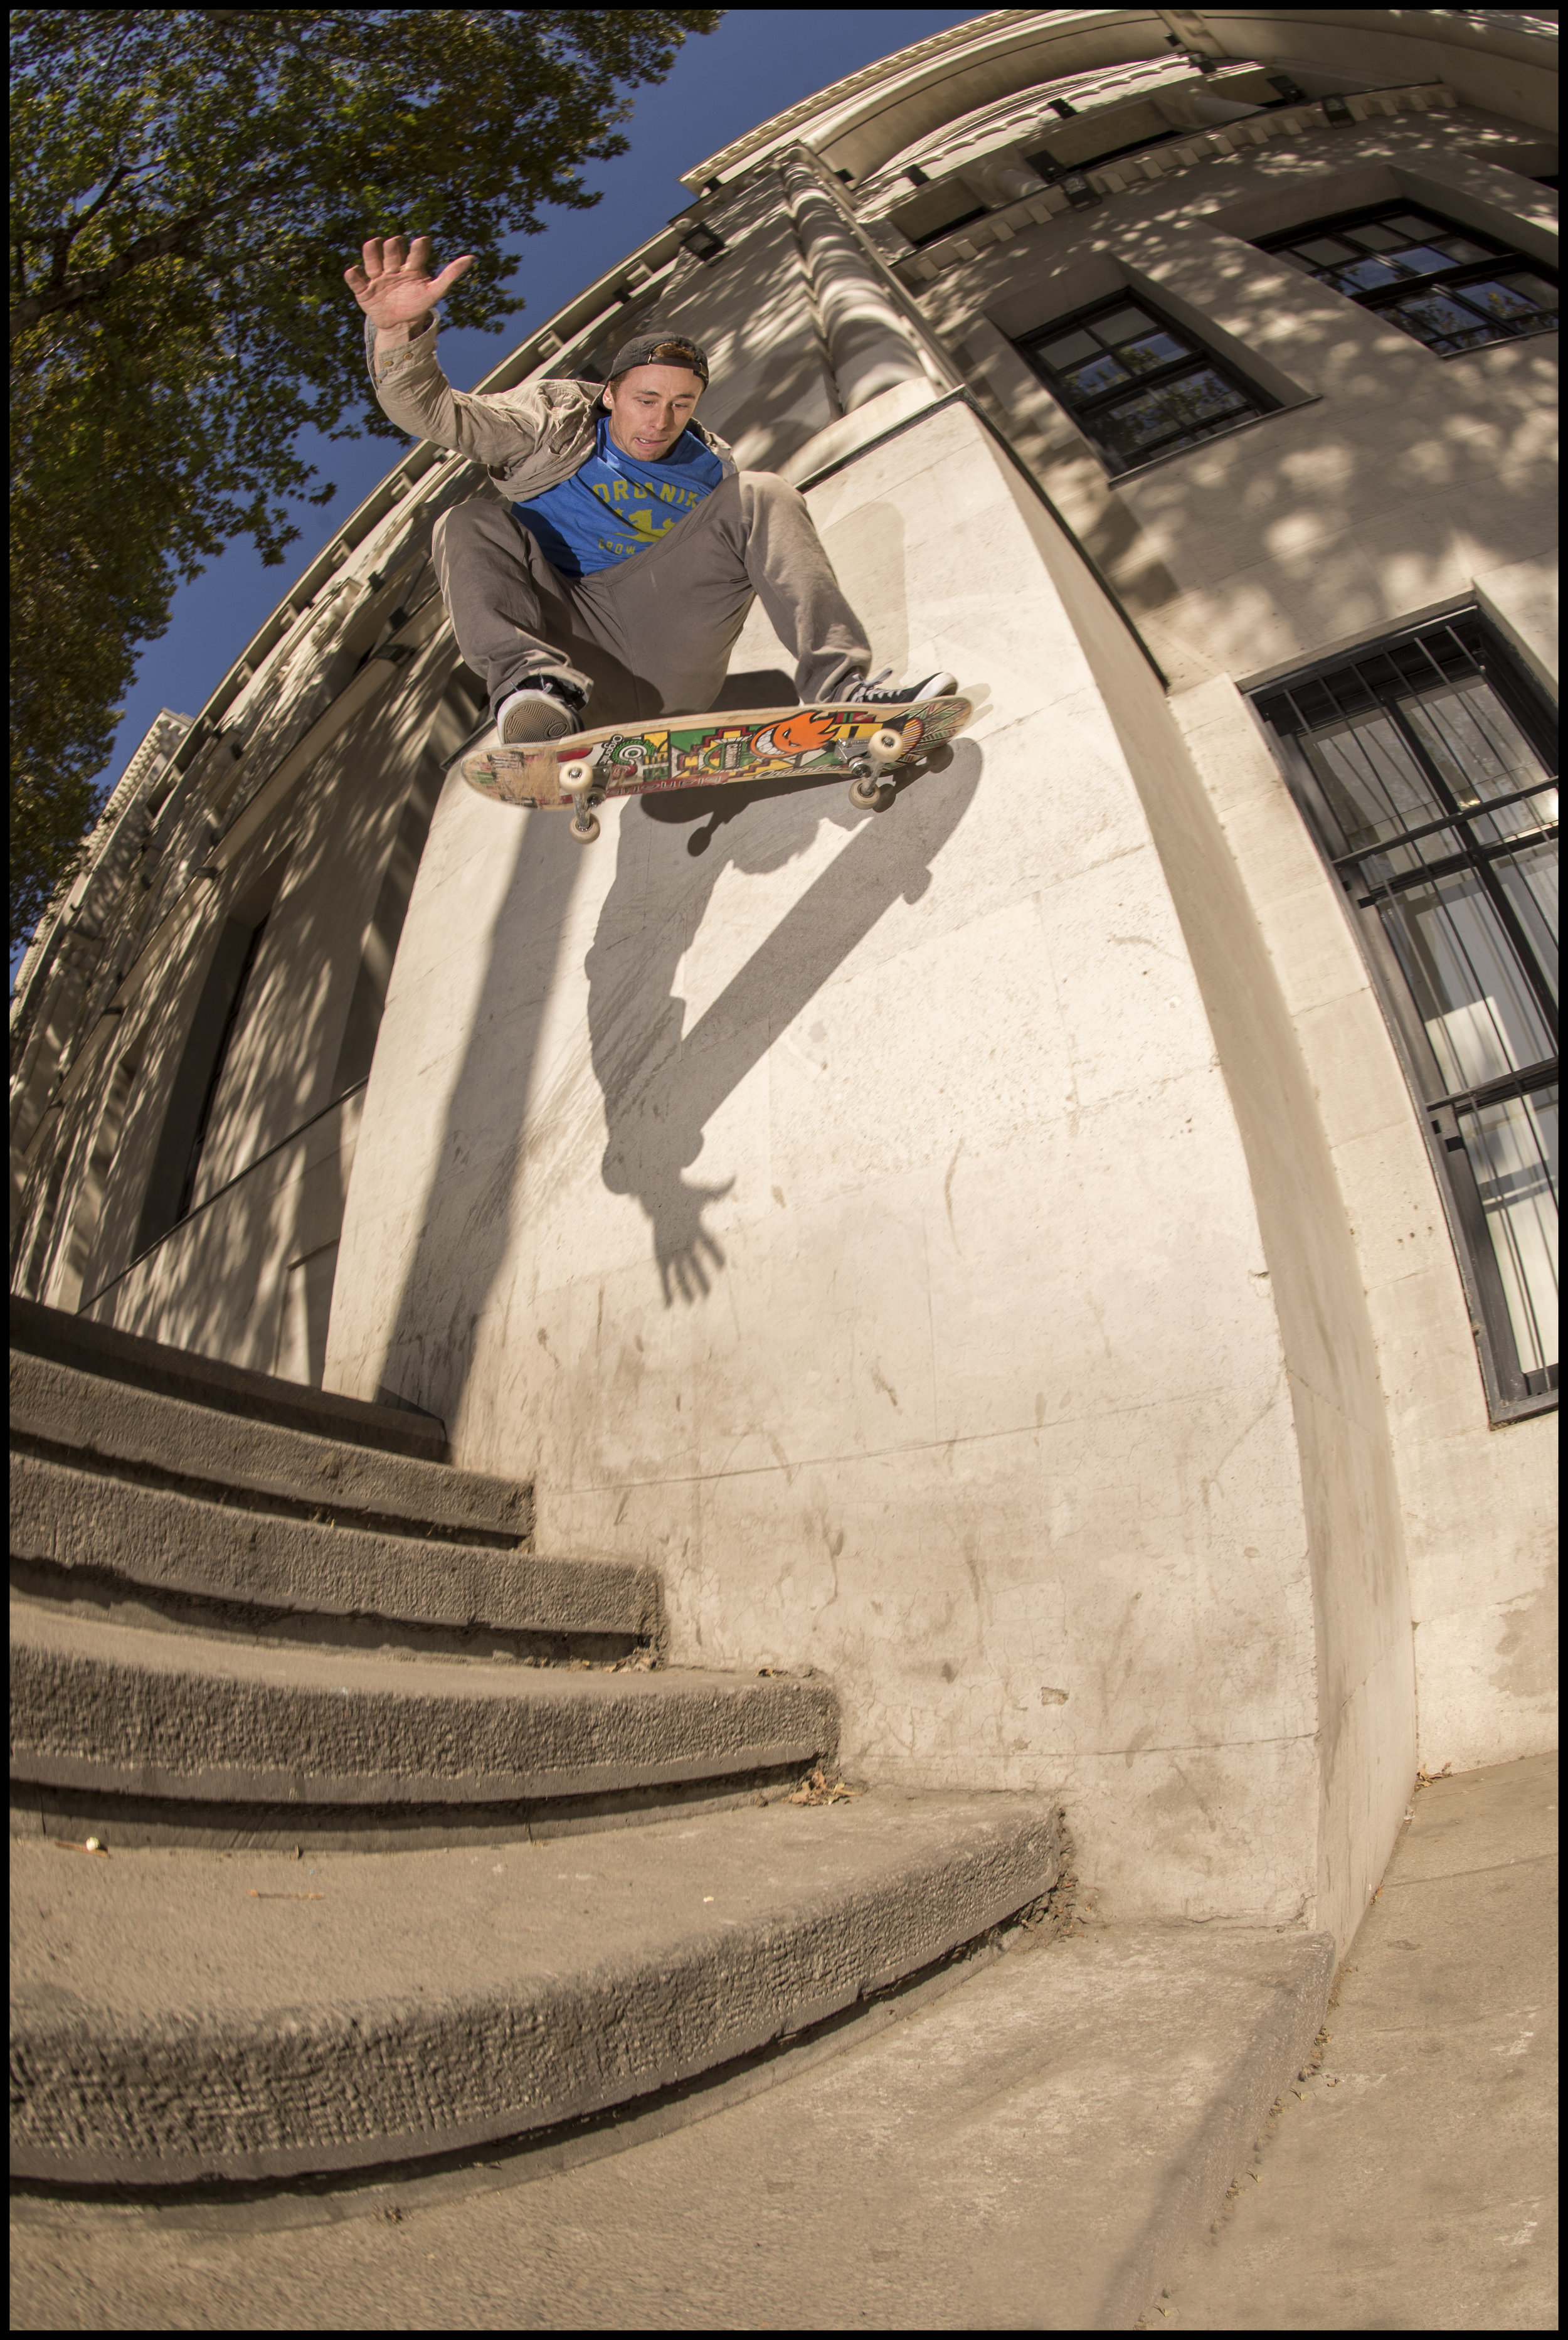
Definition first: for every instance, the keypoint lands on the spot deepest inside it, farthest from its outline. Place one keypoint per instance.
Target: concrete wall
(1351, 1517)
(1393, 485)
(852, 1217)
(251, 1276)
(1393, 479)
(1478, 1500)
(248, 1274)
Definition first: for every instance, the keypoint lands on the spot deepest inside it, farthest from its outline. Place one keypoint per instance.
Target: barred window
(1424, 768)
(1446, 286)
(1136, 385)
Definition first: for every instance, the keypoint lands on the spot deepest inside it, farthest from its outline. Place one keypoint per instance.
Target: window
(210, 1035)
(949, 227)
(937, 211)
(219, 1066)
(1449, 288)
(90, 1200)
(1424, 768)
(1135, 385)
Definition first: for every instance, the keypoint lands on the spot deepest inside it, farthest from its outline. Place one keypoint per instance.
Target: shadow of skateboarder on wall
(658, 1087)
(662, 1085)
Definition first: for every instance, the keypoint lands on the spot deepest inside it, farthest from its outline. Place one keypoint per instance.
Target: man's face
(649, 408)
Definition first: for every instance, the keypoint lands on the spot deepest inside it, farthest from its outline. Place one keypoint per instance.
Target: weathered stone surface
(122, 1356)
(1410, 2181)
(154, 1537)
(435, 2000)
(125, 1423)
(135, 1713)
(126, 1823)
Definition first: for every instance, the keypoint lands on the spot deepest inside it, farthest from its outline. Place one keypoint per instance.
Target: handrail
(219, 1192)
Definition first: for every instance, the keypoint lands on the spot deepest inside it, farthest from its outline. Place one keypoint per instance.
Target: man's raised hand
(395, 288)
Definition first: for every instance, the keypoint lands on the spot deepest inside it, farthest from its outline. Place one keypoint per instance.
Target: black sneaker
(541, 710)
(858, 692)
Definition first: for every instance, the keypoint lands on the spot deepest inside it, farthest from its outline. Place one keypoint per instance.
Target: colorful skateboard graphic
(698, 751)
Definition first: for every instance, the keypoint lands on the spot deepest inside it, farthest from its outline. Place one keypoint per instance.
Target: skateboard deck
(698, 751)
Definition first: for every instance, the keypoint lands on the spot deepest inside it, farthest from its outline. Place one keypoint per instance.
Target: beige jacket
(528, 438)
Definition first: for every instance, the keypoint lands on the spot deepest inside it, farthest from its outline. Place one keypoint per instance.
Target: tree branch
(171, 242)
(175, 241)
(63, 243)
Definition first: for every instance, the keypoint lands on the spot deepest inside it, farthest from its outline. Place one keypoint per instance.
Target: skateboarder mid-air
(628, 546)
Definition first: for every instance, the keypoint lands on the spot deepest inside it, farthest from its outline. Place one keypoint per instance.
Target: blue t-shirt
(614, 504)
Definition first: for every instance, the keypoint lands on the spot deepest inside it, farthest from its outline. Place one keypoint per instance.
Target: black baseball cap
(660, 349)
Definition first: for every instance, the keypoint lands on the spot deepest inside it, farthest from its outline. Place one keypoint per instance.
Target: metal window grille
(1137, 385)
(1447, 287)
(1424, 768)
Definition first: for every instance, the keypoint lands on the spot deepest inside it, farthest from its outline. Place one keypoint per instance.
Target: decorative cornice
(1157, 163)
(823, 102)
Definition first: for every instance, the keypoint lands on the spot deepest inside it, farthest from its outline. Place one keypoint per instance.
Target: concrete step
(126, 1357)
(126, 1430)
(114, 1710)
(1029, 2150)
(179, 2016)
(64, 1815)
(82, 1523)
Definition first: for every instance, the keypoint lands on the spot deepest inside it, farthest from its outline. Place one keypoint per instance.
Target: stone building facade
(1069, 1256)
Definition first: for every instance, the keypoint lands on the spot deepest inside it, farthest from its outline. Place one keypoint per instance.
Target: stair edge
(646, 1994)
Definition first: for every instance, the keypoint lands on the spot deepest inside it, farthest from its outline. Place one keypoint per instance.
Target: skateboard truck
(882, 753)
(577, 782)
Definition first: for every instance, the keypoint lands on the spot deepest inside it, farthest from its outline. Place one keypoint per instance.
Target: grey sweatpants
(655, 634)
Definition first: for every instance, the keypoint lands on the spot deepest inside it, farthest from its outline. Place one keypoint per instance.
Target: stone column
(870, 347)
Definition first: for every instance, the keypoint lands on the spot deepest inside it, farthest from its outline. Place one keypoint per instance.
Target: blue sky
(758, 62)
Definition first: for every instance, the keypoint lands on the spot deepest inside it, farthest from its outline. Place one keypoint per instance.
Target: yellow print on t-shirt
(618, 491)
(638, 520)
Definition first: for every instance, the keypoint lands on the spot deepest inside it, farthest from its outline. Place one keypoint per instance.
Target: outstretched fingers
(449, 274)
(388, 265)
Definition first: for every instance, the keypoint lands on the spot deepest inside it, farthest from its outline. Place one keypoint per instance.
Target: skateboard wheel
(887, 745)
(865, 795)
(576, 775)
(584, 828)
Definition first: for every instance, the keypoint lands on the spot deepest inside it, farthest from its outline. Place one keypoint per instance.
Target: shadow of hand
(680, 1238)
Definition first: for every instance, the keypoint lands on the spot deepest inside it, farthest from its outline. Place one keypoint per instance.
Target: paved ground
(1027, 2149)
(1002, 2158)
(1410, 2184)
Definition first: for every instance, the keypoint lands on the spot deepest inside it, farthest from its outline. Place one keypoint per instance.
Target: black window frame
(1085, 413)
(225, 1049)
(925, 215)
(949, 227)
(1382, 299)
(1512, 1392)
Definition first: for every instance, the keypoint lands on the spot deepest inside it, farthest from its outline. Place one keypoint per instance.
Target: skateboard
(701, 751)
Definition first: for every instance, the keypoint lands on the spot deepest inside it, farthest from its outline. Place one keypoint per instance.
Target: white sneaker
(858, 692)
(542, 712)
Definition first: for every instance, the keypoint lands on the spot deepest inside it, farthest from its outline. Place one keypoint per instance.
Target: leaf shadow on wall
(660, 1086)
